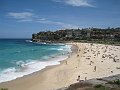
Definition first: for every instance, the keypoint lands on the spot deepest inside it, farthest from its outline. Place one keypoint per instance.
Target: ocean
(19, 57)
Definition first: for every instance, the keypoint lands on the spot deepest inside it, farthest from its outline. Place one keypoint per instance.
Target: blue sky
(21, 18)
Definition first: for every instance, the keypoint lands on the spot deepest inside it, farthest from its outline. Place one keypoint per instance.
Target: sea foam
(27, 68)
(19, 58)
(31, 66)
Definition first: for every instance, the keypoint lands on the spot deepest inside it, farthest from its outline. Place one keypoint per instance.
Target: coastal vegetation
(4, 89)
(88, 86)
(117, 81)
(97, 35)
(104, 85)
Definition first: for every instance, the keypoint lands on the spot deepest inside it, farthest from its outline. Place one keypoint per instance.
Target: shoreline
(74, 49)
(66, 73)
(53, 60)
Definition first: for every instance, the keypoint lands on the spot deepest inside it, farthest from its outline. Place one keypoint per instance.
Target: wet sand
(88, 61)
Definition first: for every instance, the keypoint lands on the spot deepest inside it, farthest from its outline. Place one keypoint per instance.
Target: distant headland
(97, 35)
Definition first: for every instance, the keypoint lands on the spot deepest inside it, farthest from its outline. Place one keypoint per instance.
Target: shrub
(4, 89)
(98, 86)
(117, 81)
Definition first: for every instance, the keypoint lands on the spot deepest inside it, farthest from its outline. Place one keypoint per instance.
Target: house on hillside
(77, 33)
(69, 33)
(88, 33)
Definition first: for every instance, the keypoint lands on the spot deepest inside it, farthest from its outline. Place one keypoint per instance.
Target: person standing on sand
(78, 55)
(66, 62)
(78, 78)
(94, 68)
(90, 62)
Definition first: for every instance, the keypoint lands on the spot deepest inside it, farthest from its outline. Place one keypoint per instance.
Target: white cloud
(21, 15)
(30, 10)
(25, 20)
(76, 3)
(64, 25)
(31, 17)
(41, 19)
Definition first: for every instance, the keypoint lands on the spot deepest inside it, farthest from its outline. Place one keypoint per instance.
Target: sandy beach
(88, 62)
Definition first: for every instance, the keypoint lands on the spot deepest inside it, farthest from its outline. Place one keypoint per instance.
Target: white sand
(105, 58)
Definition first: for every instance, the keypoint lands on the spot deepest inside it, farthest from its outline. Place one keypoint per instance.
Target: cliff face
(92, 34)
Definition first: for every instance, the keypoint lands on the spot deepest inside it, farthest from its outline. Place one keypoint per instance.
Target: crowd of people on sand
(87, 62)
(103, 50)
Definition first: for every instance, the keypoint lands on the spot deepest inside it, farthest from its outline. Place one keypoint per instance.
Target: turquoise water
(19, 57)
